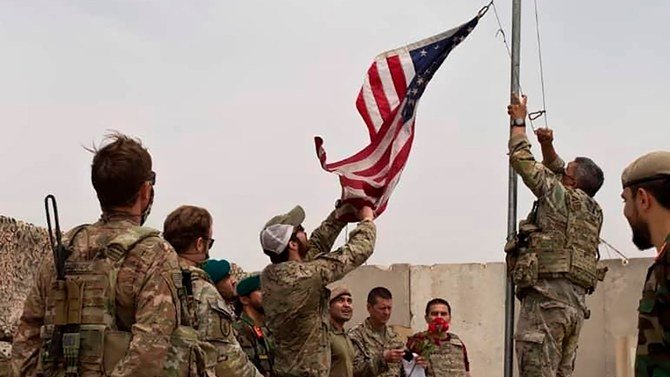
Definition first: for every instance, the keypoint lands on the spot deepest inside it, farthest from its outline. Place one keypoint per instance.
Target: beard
(303, 248)
(147, 211)
(641, 235)
(258, 307)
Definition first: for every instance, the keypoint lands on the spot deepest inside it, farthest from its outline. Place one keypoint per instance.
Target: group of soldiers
(126, 300)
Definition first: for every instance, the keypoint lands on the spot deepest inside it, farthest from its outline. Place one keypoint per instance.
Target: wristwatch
(518, 122)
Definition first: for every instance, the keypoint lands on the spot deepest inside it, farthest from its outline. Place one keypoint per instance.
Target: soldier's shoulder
(285, 273)
(219, 305)
(455, 337)
(393, 334)
(420, 334)
(356, 331)
(152, 247)
(206, 291)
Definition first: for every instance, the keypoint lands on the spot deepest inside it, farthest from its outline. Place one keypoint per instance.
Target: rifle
(65, 340)
(59, 251)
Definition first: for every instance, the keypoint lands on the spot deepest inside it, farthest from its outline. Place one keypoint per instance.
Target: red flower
(425, 343)
(438, 326)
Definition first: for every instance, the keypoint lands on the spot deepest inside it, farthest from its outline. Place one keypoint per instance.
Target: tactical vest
(567, 247)
(448, 359)
(80, 335)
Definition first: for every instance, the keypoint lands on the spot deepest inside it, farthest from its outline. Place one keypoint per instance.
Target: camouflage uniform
(237, 272)
(22, 247)
(344, 361)
(257, 343)
(146, 305)
(214, 324)
(652, 357)
(370, 343)
(450, 358)
(295, 297)
(553, 305)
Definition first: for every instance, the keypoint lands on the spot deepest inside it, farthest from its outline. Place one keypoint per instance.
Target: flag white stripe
(371, 104)
(387, 83)
(407, 66)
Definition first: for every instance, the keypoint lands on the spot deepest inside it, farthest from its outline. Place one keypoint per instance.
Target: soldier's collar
(111, 216)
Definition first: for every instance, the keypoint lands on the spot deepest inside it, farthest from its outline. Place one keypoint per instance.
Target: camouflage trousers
(546, 337)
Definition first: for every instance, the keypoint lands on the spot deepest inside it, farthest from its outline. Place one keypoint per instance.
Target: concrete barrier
(476, 293)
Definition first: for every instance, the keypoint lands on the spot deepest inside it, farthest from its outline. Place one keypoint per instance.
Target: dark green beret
(217, 269)
(248, 285)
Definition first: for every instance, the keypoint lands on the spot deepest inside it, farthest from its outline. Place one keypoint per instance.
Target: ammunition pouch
(525, 271)
(94, 349)
(601, 271)
(521, 267)
(116, 347)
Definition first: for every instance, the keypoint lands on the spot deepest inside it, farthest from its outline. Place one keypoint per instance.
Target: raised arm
(334, 265)
(323, 237)
(550, 159)
(538, 178)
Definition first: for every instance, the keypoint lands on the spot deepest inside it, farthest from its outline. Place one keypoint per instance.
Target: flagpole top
(484, 9)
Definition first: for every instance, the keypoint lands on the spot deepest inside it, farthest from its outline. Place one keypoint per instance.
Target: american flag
(387, 102)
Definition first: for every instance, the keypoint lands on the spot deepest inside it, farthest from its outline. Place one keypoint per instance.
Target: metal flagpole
(512, 194)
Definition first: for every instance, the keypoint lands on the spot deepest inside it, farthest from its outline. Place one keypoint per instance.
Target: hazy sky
(227, 96)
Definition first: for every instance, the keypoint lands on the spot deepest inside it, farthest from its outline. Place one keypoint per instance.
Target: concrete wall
(476, 293)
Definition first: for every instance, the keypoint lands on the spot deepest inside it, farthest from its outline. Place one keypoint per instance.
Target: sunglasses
(210, 242)
(152, 178)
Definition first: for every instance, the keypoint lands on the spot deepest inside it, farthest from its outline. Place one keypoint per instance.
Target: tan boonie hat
(338, 291)
(277, 232)
(649, 167)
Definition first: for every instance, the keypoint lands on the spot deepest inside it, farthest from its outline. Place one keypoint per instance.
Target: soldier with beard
(294, 285)
(189, 231)
(646, 196)
(250, 328)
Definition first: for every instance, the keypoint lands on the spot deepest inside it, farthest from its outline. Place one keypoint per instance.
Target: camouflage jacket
(257, 343)
(370, 344)
(215, 325)
(449, 358)
(568, 221)
(343, 356)
(652, 357)
(295, 297)
(146, 302)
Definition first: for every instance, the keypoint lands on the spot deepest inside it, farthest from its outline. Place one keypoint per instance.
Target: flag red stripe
(363, 110)
(398, 76)
(371, 191)
(378, 91)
